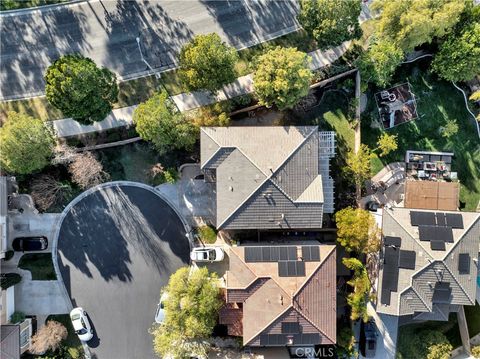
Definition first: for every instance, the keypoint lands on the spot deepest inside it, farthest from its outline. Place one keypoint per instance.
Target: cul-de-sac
(240, 179)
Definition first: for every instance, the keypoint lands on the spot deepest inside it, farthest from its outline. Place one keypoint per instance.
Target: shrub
(476, 352)
(17, 317)
(170, 175)
(48, 337)
(207, 234)
(9, 279)
(74, 353)
(9, 255)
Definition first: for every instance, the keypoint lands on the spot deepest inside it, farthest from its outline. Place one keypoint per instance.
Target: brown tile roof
(231, 316)
(310, 298)
(432, 195)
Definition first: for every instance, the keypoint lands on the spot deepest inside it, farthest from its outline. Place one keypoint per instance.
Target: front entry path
(118, 244)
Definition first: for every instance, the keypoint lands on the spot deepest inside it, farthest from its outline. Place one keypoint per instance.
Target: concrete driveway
(117, 247)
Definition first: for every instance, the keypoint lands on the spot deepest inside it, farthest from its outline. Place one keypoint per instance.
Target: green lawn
(437, 102)
(72, 340)
(39, 264)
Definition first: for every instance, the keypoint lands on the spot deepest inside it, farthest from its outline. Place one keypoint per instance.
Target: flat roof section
(432, 195)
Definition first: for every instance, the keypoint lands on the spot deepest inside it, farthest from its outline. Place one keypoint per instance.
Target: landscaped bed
(39, 264)
(437, 102)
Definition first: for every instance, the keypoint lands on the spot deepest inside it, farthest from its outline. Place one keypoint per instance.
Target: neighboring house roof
(432, 195)
(271, 298)
(10, 341)
(269, 177)
(427, 262)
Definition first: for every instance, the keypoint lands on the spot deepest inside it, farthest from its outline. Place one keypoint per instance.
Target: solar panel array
(270, 254)
(464, 263)
(283, 339)
(431, 233)
(291, 269)
(311, 253)
(453, 220)
(290, 327)
(407, 259)
(442, 293)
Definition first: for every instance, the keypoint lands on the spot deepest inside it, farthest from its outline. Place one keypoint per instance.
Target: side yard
(437, 102)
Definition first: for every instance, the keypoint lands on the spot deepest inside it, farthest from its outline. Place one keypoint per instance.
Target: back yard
(437, 101)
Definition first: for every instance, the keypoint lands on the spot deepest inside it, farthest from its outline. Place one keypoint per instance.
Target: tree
(361, 288)
(358, 164)
(476, 351)
(26, 144)
(48, 337)
(415, 344)
(156, 120)
(379, 62)
(357, 230)
(87, 171)
(282, 77)
(440, 351)
(387, 143)
(46, 192)
(81, 90)
(346, 343)
(206, 62)
(330, 22)
(211, 115)
(190, 313)
(410, 23)
(459, 56)
(475, 97)
(450, 128)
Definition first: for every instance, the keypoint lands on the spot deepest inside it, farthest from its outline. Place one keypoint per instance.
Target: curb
(79, 198)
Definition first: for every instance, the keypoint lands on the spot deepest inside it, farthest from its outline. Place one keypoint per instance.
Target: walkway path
(121, 117)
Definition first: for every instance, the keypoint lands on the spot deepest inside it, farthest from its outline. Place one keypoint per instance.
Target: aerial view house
(428, 263)
(283, 295)
(269, 177)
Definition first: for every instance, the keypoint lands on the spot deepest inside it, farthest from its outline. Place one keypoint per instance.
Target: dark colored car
(372, 206)
(30, 244)
(368, 339)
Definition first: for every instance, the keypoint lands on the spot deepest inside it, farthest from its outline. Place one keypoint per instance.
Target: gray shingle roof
(269, 177)
(416, 286)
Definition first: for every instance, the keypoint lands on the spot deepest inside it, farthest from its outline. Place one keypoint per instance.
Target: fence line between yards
(107, 145)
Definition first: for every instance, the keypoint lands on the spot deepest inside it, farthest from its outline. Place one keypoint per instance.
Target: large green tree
(330, 22)
(358, 164)
(357, 230)
(459, 56)
(190, 312)
(26, 144)
(158, 121)
(379, 62)
(81, 90)
(410, 23)
(207, 63)
(415, 344)
(282, 77)
(361, 289)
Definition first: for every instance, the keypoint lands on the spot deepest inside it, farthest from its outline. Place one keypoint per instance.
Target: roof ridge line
(313, 272)
(268, 176)
(312, 323)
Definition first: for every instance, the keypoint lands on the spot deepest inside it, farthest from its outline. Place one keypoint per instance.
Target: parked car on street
(160, 314)
(207, 254)
(23, 244)
(368, 339)
(81, 324)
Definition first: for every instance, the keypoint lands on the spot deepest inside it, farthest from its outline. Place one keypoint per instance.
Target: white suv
(81, 324)
(207, 254)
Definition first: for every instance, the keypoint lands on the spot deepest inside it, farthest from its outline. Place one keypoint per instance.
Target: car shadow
(95, 341)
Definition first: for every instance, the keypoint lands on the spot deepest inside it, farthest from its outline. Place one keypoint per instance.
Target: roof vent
(230, 178)
(230, 188)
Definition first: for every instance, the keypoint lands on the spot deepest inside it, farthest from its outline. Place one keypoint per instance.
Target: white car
(81, 324)
(207, 254)
(160, 314)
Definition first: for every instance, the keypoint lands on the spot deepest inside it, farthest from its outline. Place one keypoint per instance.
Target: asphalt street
(106, 31)
(117, 247)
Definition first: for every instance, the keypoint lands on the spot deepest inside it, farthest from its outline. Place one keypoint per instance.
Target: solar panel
(454, 220)
(391, 256)
(273, 339)
(464, 263)
(253, 254)
(442, 293)
(310, 253)
(290, 327)
(292, 253)
(390, 278)
(439, 233)
(441, 220)
(283, 254)
(436, 245)
(422, 218)
(407, 259)
(385, 297)
(266, 254)
(392, 241)
(291, 269)
(274, 254)
(264, 339)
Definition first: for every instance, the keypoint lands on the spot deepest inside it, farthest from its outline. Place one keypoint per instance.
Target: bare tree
(64, 154)
(47, 191)
(87, 171)
(48, 337)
